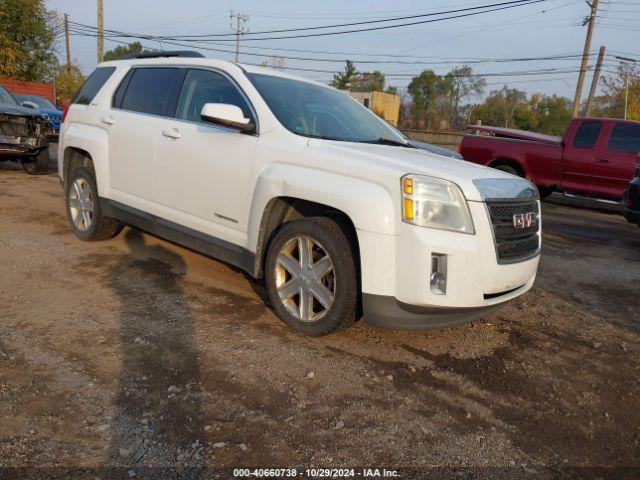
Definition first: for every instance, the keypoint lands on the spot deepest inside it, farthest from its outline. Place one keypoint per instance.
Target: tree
(458, 84)
(368, 82)
(26, 40)
(424, 91)
(68, 82)
(343, 80)
(611, 102)
(121, 50)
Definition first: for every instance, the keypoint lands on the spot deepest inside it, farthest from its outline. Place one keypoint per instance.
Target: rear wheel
(83, 208)
(37, 164)
(508, 169)
(311, 276)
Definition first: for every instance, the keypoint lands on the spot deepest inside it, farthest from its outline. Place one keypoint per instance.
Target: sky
(542, 29)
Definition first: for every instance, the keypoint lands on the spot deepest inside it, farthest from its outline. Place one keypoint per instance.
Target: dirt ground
(137, 353)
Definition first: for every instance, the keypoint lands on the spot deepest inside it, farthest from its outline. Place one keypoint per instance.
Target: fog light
(438, 273)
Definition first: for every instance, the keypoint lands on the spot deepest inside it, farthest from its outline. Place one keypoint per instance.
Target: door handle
(602, 160)
(171, 133)
(109, 120)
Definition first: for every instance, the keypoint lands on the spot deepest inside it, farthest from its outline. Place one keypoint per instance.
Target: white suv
(298, 183)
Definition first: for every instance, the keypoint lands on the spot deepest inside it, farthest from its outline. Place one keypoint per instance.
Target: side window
(587, 134)
(205, 86)
(625, 137)
(92, 85)
(120, 91)
(149, 90)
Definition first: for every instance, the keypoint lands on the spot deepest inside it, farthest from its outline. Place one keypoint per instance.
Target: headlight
(435, 203)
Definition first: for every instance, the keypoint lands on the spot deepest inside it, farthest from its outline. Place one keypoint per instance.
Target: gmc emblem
(523, 220)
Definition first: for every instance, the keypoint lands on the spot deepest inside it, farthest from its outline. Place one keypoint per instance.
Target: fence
(449, 140)
(46, 90)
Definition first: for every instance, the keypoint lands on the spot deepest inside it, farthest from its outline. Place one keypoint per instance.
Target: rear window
(150, 90)
(587, 134)
(93, 84)
(624, 138)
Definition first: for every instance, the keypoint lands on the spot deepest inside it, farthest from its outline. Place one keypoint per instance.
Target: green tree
(68, 82)
(368, 82)
(26, 40)
(424, 90)
(343, 80)
(551, 112)
(458, 84)
(121, 50)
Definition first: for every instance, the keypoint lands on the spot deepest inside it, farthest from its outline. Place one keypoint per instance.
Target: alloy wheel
(305, 278)
(81, 204)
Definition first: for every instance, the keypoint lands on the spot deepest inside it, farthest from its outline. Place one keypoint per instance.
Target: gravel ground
(136, 353)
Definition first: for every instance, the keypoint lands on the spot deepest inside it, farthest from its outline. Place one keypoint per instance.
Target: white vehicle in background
(299, 184)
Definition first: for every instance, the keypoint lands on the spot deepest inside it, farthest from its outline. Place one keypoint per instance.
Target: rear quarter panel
(540, 162)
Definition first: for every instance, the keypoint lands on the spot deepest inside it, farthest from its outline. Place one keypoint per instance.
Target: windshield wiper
(388, 141)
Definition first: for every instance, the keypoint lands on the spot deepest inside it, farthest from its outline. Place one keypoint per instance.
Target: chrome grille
(514, 244)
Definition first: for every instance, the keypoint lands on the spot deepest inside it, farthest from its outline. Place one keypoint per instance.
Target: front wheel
(83, 208)
(37, 164)
(311, 276)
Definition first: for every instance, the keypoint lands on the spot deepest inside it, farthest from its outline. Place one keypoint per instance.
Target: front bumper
(396, 280)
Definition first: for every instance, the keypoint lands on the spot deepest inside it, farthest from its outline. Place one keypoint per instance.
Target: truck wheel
(311, 276)
(508, 169)
(37, 164)
(83, 208)
(545, 192)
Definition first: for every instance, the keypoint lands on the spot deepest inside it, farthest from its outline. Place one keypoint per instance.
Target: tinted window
(587, 134)
(92, 85)
(150, 89)
(6, 97)
(203, 86)
(119, 95)
(624, 138)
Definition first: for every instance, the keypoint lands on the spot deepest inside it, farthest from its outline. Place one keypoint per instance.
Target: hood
(371, 160)
(18, 110)
(50, 111)
(434, 149)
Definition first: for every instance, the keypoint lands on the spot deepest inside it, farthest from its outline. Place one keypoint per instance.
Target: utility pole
(66, 37)
(594, 81)
(585, 56)
(100, 32)
(240, 20)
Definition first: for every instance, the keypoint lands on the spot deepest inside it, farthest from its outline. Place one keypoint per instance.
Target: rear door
(139, 110)
(578, 155)
(615, 160)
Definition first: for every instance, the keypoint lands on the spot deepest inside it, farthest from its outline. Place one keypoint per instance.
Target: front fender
(369, 205)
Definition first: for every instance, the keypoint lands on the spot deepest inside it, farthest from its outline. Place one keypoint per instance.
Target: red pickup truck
(596, 156)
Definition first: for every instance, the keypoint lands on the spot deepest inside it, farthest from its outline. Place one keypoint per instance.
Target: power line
(501, 6)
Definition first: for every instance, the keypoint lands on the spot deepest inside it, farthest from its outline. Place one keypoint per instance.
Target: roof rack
(163, 54)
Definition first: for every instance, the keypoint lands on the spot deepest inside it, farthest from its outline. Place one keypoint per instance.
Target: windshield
(5, 97)
(41, 102)
(315, 111)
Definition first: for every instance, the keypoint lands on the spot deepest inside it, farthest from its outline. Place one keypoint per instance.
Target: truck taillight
(460, 148)
(65, 110)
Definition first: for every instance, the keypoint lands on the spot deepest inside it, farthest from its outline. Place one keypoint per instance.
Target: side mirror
(227, 115)
(29, 105)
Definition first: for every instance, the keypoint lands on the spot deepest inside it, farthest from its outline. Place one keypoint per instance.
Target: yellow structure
(385, 105)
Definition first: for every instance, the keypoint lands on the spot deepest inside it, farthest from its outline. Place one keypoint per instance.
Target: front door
(203, 172)
(577, 157)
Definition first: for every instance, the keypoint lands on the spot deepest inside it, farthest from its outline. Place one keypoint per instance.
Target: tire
(37, 164)
(83, 208)
(508, 169)
(545, 192)
(326, 240)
